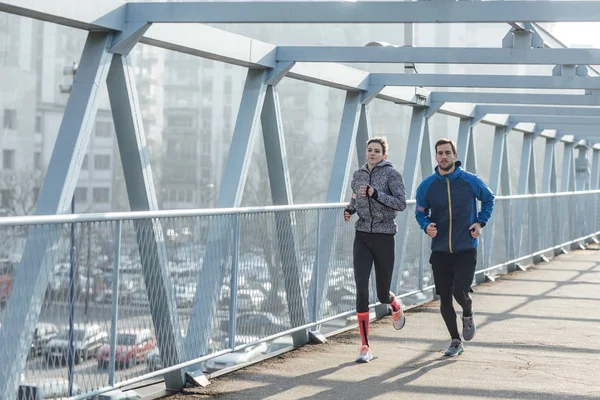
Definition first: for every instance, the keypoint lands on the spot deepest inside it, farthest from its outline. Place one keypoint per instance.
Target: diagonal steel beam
(137, 171)
(364, 12)
(222, 228)
(437, 55)
(33, 273)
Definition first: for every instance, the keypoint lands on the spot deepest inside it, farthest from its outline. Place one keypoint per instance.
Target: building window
(10, 118)
(181, 122)
(103, 129)
(8, 159)
(84, 164)
(6, 198)
(37, 160)
(81, 195)
(102, 162)
(101, 195)
(39, 124)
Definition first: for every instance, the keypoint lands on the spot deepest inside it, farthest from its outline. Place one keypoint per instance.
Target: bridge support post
(34, 270)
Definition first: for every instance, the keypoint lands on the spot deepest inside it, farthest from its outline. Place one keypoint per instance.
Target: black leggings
(369, 248)
(453, 276)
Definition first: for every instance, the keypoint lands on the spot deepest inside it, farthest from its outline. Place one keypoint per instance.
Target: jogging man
(447, 211)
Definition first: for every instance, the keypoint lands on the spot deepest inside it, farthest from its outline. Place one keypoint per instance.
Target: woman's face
(374, 153)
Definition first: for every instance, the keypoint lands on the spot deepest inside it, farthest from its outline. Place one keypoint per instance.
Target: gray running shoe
(455, 348)
(468, 327)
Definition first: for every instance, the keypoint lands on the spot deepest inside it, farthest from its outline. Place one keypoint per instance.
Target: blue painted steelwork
(230, 195)
(32, 276)
(516, 98)
(364, 12)
(338, 182)
(485, 81)
(437, 55)
(137, 172)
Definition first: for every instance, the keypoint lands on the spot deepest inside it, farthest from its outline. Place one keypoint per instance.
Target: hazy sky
(578, 34)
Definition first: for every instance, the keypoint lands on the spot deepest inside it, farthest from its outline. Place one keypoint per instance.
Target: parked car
(87, 340)
(133, 346)
(43, 333)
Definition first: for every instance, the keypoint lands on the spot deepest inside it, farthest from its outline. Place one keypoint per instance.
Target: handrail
(203, 212)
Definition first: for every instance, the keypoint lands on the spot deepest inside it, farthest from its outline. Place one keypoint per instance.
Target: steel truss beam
(486, 81)
(364, 12)
(206, 41)
(552, 119)
(579, 130)
(515, 98)
(437, 55)
(539, 111)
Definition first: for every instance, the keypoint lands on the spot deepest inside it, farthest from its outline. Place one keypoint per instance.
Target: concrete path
(538, 337)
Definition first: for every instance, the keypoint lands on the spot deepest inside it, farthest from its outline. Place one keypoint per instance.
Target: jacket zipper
(450, 209)
(369, 200)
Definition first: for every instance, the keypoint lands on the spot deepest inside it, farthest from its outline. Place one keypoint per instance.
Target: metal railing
(97, 329)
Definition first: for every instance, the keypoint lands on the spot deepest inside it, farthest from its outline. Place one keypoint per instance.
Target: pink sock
(363, 327)
(395, 305)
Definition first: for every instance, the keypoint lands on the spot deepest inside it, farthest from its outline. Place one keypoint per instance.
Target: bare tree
(20, 191)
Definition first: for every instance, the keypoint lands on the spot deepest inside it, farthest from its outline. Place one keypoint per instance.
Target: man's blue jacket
(449, 201)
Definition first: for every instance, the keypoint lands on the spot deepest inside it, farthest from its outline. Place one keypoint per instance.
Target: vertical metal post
(363, 134)
(71, 349)
(115, 306)
(416, 133)
(464, 136)
(421, 261)
(234, 280)
(316, 303)
(595, 181)
(495, 185)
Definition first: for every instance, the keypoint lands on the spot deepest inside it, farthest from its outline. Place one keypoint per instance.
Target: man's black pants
(453, 275)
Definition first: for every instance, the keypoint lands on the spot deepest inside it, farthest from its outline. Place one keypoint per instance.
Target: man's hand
(475, 229)
(431, 230)
(366, 190)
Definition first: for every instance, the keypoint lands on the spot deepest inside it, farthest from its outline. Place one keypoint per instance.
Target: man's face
(445, 157)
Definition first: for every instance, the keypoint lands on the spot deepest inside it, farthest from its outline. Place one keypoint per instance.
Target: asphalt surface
(538, 337)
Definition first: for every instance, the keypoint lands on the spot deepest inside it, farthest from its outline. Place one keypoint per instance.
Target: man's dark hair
(443, 141)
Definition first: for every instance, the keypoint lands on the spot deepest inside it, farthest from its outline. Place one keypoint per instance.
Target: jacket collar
(455, 174)
(381, 164)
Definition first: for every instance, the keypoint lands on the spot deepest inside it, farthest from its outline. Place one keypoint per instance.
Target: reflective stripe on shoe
(364, 354)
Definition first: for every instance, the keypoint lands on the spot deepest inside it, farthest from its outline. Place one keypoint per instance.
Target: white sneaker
(398, 318)
(364, 354)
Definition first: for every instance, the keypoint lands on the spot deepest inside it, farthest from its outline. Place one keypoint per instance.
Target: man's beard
(448, 168)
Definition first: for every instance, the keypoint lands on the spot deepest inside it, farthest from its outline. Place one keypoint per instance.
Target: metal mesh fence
(133, 296)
